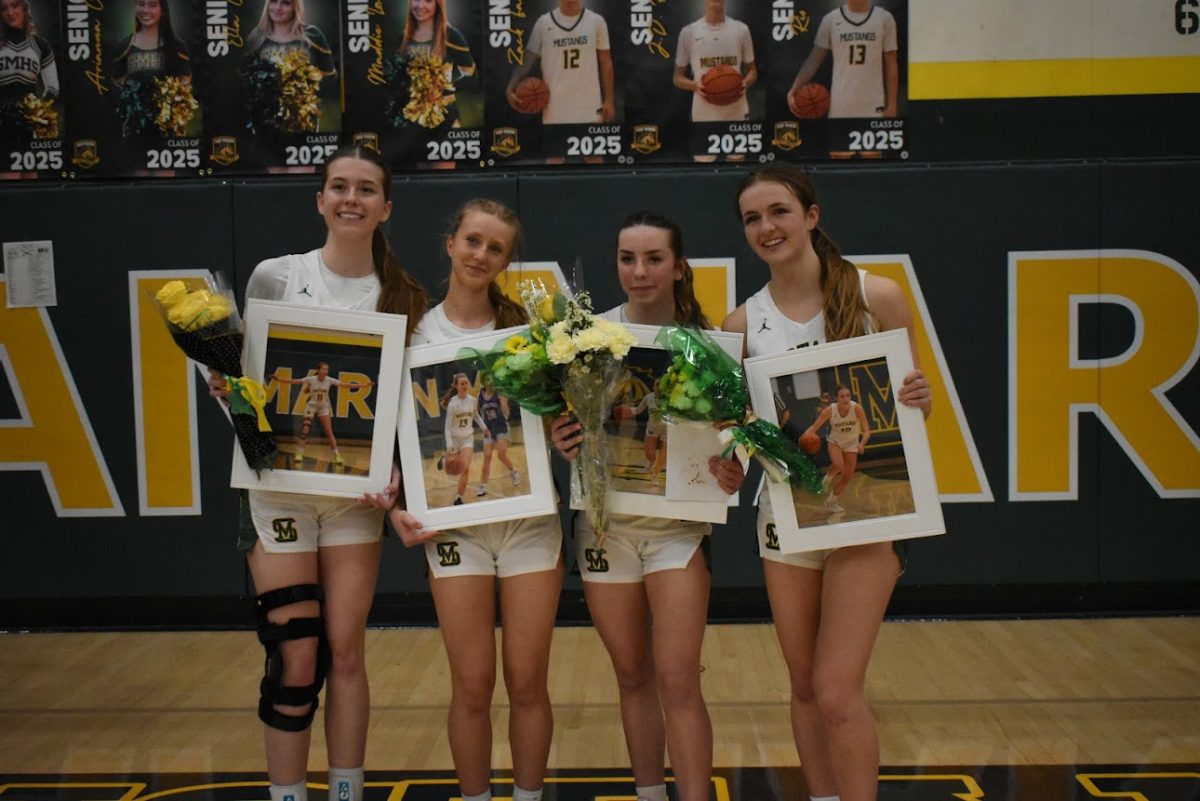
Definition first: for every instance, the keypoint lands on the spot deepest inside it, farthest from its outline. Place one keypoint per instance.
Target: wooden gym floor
(1040, 709)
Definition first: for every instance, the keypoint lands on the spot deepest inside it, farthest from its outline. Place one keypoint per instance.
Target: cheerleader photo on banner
(414, 88)
(31, 109)
(272, 78)
(129, 84)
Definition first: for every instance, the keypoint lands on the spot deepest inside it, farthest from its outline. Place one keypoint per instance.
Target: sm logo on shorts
(772, 538)
(448, 555)
(285, 529)
(595, 559)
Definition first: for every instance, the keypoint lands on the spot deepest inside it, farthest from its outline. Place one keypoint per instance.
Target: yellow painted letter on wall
(1050, 384)
(53, 434)
(960, 475)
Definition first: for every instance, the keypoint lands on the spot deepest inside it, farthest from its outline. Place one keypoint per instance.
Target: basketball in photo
(722, 85)
(532, 95)
(810, 101)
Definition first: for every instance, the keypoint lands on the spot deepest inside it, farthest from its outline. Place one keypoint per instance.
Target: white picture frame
(896, 493)
(428, 369)
(635, 489)
(284, 341)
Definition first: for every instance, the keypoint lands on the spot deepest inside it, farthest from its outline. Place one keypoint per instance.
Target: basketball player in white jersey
(315, 559)
(866, 72)
(318, 385)
(715, 40)
(834, 597)
(571, 43)
(848, 435)
(462, 414)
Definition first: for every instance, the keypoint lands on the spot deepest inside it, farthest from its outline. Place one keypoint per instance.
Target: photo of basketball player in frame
(128, 81)
(468, 455)
(332, 384)
(837, 401)
(32, 116)
(413, 84)
(553, 84)
(837, 87)
(271, 83)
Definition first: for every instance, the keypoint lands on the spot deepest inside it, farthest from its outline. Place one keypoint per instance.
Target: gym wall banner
(413, 84)
(272, 82)
(128, 84)
(32, 118)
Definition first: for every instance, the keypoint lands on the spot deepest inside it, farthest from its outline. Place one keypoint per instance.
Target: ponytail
(687, 307)
(508, 312)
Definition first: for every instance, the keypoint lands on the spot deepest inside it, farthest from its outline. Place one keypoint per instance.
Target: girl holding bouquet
(522, 556)
(647, 588)
(315, 559)
(827, 605)
(462, 413)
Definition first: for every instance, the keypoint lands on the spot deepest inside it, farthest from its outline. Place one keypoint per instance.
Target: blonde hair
(262, 30)
(508, 312)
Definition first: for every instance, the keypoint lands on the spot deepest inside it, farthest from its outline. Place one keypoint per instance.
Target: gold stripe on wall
(1077, 77)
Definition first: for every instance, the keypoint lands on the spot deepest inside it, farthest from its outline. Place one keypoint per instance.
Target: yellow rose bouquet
(204, 323)
(569, 361)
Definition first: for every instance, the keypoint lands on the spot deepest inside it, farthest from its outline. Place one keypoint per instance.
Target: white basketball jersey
(703, 46)
(460, 418)
(435, 327)
(568, 47)
(857, 43)
(768, 330)
(844, 428)
(318, 390)
(303, 279)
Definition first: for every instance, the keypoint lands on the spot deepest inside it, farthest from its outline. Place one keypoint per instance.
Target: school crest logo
(772, 537)
(595, 559)
(285, 529)
(85, 154)
(224, 150)
(367, 139)
(645, 139)
(448, 555)
(787, 135)
(800, 23)
(505, 142)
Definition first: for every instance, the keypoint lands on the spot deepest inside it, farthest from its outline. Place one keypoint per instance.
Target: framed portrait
(837, 401)
(468, 454)
(332, 384)
(660, 469)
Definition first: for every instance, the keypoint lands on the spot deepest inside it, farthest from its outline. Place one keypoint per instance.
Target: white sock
(526, 795)
(486, 795)
(657, 792)
(824, 798)
(289, 792)
(345, 784)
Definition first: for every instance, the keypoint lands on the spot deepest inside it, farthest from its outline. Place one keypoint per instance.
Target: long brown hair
(440, 24)
(399, 292)
(846, 312)
(508, 312)
(687, 308)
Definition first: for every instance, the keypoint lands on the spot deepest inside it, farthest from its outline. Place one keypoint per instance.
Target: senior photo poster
(413, 84)
(32, 114)
(271, 84)
(554, 89)
(128, 80)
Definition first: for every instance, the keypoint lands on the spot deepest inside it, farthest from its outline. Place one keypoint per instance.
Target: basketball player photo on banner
(413, 85)
(836, 402)
(838, 81)
(553, 88)
(271, 84)
(31, 108)
(128, 82)
(468, 455)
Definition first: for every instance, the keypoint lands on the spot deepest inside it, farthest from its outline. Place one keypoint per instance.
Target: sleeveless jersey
(304, 279)
(568, 47)
(27, 66)
(318, 390)
(844, 429)
(435, 326)
(857, 43)
(493, 414)
(460, 420)
(703, 46)
(458, 62)
(315, 47)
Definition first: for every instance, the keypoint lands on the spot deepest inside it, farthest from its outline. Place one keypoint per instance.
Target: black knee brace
(272, 690)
